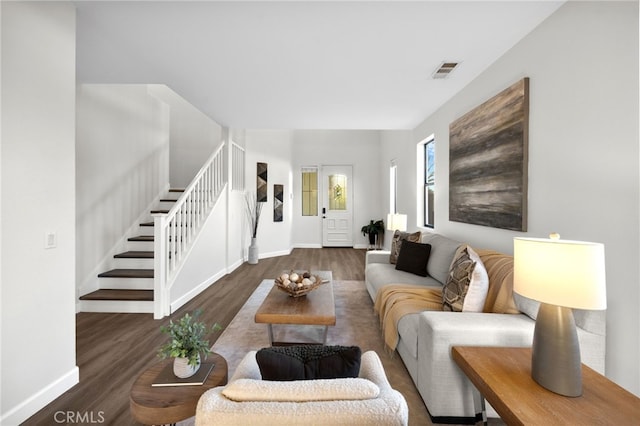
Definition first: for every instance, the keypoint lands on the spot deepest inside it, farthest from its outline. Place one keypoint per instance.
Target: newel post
(160, 298)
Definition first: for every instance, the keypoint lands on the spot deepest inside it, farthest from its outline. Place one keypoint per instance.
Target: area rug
(356, 324)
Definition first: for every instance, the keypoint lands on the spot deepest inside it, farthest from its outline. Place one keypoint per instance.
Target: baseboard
(176, 304)
(42, 398)
(274, 254)
(235, 265)
(309, 245)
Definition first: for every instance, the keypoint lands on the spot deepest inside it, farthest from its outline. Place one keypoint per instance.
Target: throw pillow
(467, 284)
(396, 243)
(413, 257)
(308, 362)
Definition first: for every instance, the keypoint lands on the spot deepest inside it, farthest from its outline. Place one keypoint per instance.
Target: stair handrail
(175, 231)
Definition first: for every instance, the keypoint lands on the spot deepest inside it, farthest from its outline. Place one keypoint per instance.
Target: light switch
(50, 240)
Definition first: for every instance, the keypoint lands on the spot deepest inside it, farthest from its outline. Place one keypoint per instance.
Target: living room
(583, 144)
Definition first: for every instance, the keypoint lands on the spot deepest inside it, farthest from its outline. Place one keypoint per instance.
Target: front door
(337, 206)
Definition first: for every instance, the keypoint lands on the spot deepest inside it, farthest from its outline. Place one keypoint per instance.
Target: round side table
(170, 404)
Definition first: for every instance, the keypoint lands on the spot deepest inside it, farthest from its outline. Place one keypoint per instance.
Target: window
(309, 191)
(393, 187)
(429, 182)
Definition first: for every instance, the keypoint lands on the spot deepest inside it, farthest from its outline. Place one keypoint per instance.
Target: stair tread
(159, 211)
(135, 255)
(142, 238)
(146, 224)
(176, 190)
(129, 295)
(127, 273)
(168, 200)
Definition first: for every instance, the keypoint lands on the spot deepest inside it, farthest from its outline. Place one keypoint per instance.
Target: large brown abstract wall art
(488, 161)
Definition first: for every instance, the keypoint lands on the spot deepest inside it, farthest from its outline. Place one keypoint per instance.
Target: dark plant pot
(372, 238)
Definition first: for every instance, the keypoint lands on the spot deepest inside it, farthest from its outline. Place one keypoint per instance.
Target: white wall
(206, 261)
(122, 152)
(583, 152)
(236, 223)
(361, 148)
(194, 137)
(274, 148)
(38, 196)
(391, 141)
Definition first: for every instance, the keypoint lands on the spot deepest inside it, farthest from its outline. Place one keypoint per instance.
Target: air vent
(444, 70)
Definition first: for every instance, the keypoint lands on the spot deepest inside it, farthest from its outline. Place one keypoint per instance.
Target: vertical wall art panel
(261, 182)
(488, 161)
(278, 201)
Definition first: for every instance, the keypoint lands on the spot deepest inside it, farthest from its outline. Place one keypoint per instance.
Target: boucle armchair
(247, 399)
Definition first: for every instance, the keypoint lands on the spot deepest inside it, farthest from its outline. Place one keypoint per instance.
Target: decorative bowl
(298, 284)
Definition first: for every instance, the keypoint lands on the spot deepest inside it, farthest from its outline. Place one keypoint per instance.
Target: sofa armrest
(248, 368)
(371, 369)
(442, 385)
(377, 256)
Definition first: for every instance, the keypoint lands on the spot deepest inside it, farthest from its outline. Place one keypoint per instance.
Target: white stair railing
(175, 231)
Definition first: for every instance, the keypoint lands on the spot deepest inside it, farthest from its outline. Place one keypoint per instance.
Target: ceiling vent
(444, 70)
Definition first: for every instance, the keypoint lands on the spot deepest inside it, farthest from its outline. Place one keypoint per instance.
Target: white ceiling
(301, 65)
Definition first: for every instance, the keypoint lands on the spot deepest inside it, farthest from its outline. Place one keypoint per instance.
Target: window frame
(426, 154)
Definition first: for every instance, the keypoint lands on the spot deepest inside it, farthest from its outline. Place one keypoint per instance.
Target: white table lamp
(560, 274)
(396, 221)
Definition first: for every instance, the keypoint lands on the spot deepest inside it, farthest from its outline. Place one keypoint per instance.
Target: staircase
(129, 286)
(148, 268)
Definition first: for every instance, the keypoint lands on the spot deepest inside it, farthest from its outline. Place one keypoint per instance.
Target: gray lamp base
(555, 361)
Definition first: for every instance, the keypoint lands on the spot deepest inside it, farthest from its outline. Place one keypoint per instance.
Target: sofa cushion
(413, 258)
(442, 251)
(308, 362)
(396, 243)
(243, 390)
(527, 306)
(467, 284)
(380, 274)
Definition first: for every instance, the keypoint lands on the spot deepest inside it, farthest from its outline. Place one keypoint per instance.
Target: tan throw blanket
(393, 301)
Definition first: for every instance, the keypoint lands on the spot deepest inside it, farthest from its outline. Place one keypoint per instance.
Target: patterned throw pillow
(396, 243)
(467, 284)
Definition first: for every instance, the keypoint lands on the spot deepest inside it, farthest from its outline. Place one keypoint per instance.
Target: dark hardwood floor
(113, 349)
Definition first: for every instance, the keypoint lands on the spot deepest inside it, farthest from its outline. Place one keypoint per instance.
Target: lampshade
(396, 221)
(560, 272)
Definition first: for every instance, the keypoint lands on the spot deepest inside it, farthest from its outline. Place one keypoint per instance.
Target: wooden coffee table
(315, 308)
(165, 405)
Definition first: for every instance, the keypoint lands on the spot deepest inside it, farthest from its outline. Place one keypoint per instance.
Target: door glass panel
(337, 192)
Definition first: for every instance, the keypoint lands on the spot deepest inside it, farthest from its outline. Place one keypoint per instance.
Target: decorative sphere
(294, 277)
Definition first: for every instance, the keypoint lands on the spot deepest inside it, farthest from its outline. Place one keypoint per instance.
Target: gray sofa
(426, 337)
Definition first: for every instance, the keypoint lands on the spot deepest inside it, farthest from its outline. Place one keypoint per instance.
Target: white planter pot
(182, 369)
(253, 252)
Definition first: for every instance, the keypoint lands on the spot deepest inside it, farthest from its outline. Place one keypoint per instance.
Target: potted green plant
(373, 228)
(187, 343)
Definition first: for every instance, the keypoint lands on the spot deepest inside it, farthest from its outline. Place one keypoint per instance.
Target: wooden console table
(503, 377)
